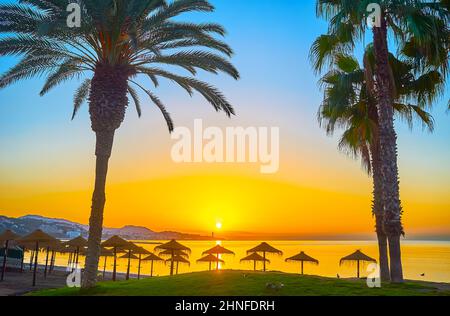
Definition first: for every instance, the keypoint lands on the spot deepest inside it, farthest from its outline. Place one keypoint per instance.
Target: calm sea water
(429, 258)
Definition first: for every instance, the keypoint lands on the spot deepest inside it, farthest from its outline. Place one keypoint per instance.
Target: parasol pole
(264, 262)
(139, 267)
(104, 267)
(31, 259)
(36, 251)
(171, 263)
(357, 265)
(46, 262)
(128, 267)
(5, 255)
(23, 258)
(115, 263)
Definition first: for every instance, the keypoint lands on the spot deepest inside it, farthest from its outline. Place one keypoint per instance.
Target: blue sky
(271, 39)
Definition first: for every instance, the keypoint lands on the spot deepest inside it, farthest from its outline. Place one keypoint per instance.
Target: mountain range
(65, 229)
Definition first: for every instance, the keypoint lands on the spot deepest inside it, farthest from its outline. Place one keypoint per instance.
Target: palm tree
(117, 41)
(350, 103)
(421, 24)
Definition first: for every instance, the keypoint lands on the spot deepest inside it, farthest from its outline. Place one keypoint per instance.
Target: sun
(219, 225)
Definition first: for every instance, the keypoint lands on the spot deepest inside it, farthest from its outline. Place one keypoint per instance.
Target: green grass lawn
(243, 283)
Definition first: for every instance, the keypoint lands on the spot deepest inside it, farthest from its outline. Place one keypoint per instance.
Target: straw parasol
(210, 259)
(152, 258)
(77, 244)
(357, 257)
(173, 246)
(217, 251)
(37, 237)
(5, 238)
(177, 259)
(264, 248)
(256, 257)
(118, 245)
(103, 253)
(302, 258)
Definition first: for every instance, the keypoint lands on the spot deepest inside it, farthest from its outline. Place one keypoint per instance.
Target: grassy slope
(240, 283)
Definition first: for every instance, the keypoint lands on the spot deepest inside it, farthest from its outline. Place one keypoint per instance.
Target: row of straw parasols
(260, 252)
(177, 253)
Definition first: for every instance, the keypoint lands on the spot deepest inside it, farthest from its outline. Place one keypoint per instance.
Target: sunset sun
(219, 225)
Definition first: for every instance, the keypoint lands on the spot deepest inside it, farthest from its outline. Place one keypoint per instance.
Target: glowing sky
(47, 161)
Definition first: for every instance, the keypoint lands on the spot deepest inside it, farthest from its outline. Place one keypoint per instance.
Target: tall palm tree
(349, 104)
(422, 24)
(117, 41)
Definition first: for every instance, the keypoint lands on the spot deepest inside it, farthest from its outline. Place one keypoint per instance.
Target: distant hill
(65, 229)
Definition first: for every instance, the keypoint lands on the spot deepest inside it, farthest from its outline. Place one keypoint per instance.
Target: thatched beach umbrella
(152, 258)
(357, 257)
(264, 248)
(210, 259)
(256, 257)
(177, 259)
(118, 245)
(217, 251)
(5, 238)
(37, 237)
(302, 258)
(77, 244)
(173, 246)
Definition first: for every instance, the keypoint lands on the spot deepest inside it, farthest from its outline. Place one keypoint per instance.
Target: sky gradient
(47, 160)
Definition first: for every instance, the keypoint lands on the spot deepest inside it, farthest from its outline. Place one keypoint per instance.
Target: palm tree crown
(140, 36)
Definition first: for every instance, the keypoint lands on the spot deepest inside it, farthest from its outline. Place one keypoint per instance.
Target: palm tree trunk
(377, 208)
(388, 157)
(107, 105)
(104, 140)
